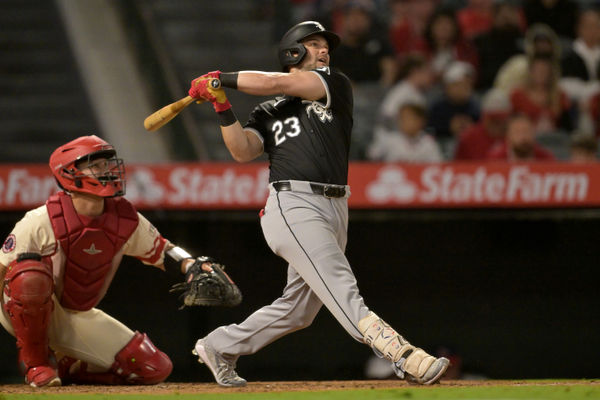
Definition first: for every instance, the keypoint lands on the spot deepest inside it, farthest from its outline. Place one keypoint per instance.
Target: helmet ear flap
(292, 55)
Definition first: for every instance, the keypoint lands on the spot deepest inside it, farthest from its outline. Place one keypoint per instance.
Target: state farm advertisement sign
(476, 185)
(373, 185)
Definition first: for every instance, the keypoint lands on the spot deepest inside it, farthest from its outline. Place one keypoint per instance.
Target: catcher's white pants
(310, 232)
(91, 336)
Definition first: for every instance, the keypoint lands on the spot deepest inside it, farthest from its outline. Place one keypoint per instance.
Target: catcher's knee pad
(29, 286)
(389, 344)
(140, 362)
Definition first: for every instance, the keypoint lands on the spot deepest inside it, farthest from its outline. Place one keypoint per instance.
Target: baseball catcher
(59, 260)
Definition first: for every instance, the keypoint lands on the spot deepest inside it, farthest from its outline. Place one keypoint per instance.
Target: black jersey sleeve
(257, 118)
(338, 89)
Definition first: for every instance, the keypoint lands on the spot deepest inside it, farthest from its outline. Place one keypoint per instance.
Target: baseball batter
(306, 133)
(57, 264)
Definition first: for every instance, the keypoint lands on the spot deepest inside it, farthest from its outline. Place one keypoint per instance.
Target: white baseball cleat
(429, 376)
(222, 370)
(408, 361)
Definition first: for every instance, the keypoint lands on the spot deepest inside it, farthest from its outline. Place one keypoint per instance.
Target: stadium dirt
(264, 387)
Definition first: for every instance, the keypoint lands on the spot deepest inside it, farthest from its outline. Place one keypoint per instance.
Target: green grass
(500, 392)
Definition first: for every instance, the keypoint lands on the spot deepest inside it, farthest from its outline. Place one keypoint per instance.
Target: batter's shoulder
(333, 73)
(266, 106)
(269, 107)
(342, 75)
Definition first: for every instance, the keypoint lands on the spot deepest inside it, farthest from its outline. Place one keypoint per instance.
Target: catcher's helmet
(105, 175)
(291, 51)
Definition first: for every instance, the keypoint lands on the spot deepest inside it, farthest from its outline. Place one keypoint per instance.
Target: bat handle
(168, 112)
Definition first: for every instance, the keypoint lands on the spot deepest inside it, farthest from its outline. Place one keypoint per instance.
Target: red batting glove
(220, 103)
(214, 74)
(199, 89)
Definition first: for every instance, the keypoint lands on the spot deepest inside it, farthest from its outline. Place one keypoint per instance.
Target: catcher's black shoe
(223, 370)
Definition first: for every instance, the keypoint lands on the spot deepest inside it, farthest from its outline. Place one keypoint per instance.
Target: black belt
(317, 188)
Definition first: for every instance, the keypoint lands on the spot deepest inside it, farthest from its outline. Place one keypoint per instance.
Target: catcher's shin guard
(406, 358)
(138, 363)
(72, 370)
(29, 286)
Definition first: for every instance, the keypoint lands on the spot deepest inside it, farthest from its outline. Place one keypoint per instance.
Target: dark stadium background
(513, 293)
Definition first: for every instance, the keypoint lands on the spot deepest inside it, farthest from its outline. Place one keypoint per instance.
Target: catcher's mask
(291, 51)
(90, 165)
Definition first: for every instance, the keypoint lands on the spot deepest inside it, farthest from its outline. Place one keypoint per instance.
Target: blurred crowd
(442, 80)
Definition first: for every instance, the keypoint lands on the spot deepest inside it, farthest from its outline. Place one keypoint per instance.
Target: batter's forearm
(260, 83)
(242, 146)
(306, 85)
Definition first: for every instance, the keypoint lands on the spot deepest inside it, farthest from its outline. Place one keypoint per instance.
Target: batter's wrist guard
(229, 79)
(227, 117)
(221, 106)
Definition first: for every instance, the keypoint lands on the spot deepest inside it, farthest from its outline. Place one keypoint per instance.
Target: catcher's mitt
(203, 288)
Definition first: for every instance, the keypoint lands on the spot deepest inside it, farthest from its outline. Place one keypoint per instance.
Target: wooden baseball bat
(159, 118)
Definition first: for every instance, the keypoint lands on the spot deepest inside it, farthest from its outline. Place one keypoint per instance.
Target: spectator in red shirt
(477, 140)
(541, 99)
(408, 19)
(520, 142)
(475, 18)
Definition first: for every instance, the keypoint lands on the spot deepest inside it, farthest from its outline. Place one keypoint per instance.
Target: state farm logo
(143, 186)
(192, 186)
(443, 184)
(391, 185)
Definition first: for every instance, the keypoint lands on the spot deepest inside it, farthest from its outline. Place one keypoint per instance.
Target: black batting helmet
(291, 51)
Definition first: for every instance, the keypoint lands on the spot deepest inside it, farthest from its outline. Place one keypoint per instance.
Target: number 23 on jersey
(289, 127)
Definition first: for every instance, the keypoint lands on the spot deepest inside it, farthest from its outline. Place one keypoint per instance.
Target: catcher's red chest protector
(90, 245)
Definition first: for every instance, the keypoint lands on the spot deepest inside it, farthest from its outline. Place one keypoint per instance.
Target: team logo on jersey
(92, 250)
(9, 244)
(324, 114)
